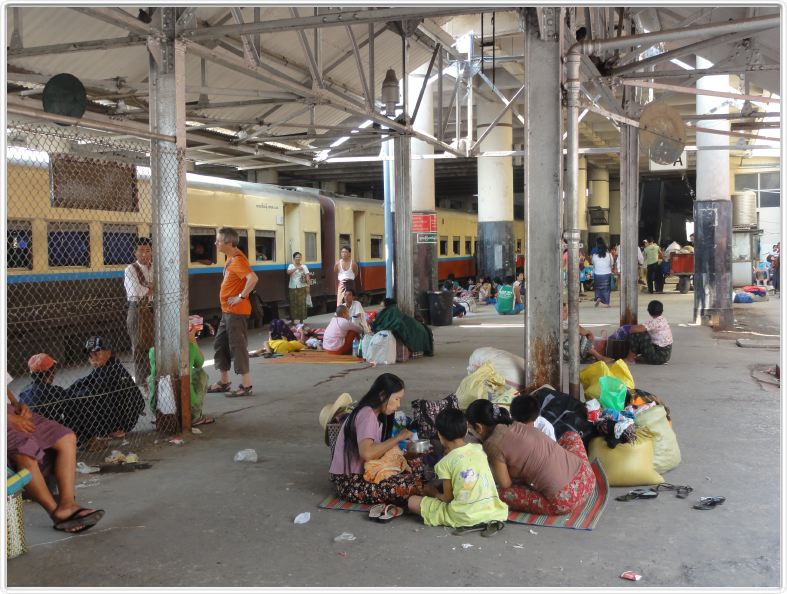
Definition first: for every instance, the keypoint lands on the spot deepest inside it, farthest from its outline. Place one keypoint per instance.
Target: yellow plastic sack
(484, 383)
(589, 377)
(627, 464)
(666, 453)
(621, 371)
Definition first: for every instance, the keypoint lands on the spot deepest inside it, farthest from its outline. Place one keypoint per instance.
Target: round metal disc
(662, 132)
(65, 95)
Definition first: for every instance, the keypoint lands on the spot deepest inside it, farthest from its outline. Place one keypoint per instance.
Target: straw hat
(329, 410)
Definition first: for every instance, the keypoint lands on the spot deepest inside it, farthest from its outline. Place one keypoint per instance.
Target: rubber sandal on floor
(391, 511)
(468, 529)
(376, 511)
(204, 420)
(241, 391)
(709, 502)
(81, 523)
(219, 388)
(492, 528)
(683, 491)
(638, 494)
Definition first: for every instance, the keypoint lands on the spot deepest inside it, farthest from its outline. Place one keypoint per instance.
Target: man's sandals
(78, 523)
(219, 388)
(241, 391)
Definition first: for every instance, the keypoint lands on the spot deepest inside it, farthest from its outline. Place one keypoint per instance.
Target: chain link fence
(80, 237)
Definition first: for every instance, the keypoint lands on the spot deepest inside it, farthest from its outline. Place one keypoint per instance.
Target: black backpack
(565, 413)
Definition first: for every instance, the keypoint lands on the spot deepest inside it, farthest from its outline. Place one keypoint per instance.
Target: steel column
(629, 219)
(405, 294)
(168, 183)
(543, 168)
(388, 222)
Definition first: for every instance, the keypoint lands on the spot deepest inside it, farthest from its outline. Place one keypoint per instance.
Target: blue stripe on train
(72, 276)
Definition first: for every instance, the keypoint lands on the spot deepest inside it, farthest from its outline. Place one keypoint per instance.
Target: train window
(376, 250)
(310, 246)
(443, 245)
(19, 245)
(468, 246)
(243, 241)
(345, 241)
(265, 245)
(518, 246)
(455, 245)
(69, 244)
(202, 245)
(119, 244)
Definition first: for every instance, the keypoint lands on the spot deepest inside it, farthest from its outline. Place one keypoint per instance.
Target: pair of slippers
(486, 529)
(385, 512)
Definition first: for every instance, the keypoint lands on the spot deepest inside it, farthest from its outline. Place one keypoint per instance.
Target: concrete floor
(199, 519)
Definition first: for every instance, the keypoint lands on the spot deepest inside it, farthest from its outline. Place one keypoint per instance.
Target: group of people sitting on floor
(493, 461)
(106, 402)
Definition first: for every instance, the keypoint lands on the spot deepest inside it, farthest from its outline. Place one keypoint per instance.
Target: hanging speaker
(64, 94)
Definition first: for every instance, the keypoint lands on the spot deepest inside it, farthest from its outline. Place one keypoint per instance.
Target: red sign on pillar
(424, 223)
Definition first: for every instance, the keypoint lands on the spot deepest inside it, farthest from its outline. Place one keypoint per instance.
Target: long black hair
(487, 414)
(383, 387)
(601, 247)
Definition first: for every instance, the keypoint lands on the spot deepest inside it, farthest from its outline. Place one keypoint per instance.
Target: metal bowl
(420, 446)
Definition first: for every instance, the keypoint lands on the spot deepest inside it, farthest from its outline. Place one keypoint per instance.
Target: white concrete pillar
(496, 242)
(712, 211)
(422, 187)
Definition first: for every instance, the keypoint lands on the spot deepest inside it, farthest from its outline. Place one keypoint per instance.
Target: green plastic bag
(613, 393)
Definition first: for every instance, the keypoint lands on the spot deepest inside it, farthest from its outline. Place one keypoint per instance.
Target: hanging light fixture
(390, 94)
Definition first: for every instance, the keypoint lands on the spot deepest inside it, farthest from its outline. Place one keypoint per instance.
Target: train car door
(326, 280)
(359, 248)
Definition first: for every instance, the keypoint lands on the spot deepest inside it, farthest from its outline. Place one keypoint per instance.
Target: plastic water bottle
(356, 344)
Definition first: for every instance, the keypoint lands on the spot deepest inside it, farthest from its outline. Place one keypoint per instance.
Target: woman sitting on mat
(366, 435)
(533, 473)
(281, 341)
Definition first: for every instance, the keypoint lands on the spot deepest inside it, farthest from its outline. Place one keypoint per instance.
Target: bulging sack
(666, 453)
(382, 348)
(628, 464)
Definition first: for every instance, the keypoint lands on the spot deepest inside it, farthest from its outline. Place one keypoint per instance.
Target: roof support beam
(359, 65)
(502, 97)
(681, 73)
(79, 46)
(696, 91)
(509, 105)
(338, 18)
(312, 63)
(119, 18)
(318, 96)
(692, 48)
(426, 81)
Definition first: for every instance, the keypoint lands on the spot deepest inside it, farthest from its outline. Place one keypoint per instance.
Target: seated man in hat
(106, 402)
(43, 396)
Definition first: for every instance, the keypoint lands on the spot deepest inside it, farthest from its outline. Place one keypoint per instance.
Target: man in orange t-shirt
(231, 343)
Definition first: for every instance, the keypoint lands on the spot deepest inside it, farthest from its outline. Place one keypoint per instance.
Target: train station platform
(198, 519)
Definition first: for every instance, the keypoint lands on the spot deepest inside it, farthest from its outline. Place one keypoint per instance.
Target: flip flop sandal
(241, 391)
(376, 511)
(468, 529)
(79, 522)
(391, 511)
(709, 502)
(492, 528)
(219, 388)
(205, 420)
(638, 494)
(683, 491)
